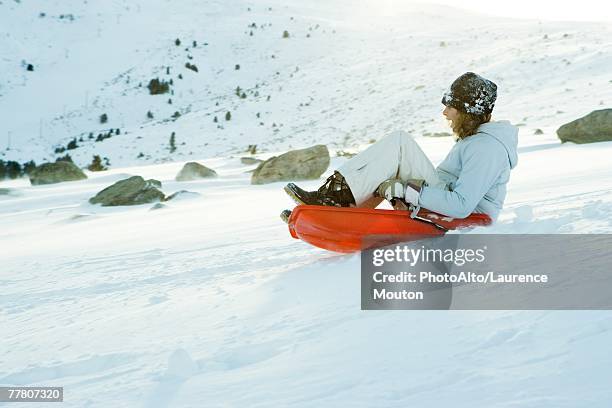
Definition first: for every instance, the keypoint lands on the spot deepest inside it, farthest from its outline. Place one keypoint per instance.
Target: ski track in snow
(208, 301)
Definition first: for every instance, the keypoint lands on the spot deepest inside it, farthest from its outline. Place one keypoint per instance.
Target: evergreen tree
(157, 87)
(172, 142)
(28, 167)
(13, 169)
(66, 158)
(96, 164)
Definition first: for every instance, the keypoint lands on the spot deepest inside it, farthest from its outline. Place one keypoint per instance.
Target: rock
(594, 127)
(250, 160)
(436, 134)
(79, 217)
(194, 171)
(131, 191)
(50, 173)
(182, 194)
(158, 206)
(538, 132)
(303, 164)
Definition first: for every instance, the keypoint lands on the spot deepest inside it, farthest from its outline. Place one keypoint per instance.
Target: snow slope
(208, 301)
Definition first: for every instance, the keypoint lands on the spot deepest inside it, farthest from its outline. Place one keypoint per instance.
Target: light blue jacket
(476, 171)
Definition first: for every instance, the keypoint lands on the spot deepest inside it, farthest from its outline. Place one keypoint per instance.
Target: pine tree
(72, 144)
(157, 87)
(172, 142)
(13, 169)
(28, 167)
(96, 164)
(228, 116)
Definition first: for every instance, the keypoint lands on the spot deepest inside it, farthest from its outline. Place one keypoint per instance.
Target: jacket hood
(506, 134)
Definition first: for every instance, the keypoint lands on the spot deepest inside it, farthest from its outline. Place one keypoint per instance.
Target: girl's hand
(411, 195)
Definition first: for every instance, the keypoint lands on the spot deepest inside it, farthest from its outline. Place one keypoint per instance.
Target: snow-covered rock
(194, 171)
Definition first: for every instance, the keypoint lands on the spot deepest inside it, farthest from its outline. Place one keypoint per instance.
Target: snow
(208, 301)
(389, 72)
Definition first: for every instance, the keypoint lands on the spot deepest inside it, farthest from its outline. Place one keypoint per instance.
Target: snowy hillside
(207, 301)
(210, 302)
(348, 73)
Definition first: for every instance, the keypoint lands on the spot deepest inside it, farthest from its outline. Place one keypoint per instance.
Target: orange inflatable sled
(353, 229)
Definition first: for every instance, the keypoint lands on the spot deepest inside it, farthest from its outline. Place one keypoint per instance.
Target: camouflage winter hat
(471, 93)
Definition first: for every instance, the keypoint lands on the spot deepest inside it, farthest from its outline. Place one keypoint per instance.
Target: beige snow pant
(396, 155)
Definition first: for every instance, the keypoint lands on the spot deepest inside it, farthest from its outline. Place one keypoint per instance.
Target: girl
(472, 177)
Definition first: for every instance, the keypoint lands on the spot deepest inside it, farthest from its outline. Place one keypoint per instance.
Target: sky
(583, 10)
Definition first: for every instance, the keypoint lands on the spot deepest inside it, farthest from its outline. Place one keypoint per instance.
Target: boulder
(194, 171)
(50, 173)
(250, 160)
(302, 164)
(181, 195)
(131, 191)
(158, 206)
(594, 127)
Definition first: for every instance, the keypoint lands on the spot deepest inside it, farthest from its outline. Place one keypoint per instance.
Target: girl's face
(450, 113)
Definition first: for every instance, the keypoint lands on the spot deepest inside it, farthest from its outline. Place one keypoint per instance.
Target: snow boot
(334, 192)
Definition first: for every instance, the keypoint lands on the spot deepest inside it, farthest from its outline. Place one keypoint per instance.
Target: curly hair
(466, 124)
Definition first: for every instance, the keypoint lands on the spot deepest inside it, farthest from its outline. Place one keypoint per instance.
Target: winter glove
(413, 190)
(391, 189)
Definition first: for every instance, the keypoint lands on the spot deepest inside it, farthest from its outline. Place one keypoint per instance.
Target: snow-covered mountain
(208, 301)
(348, 73)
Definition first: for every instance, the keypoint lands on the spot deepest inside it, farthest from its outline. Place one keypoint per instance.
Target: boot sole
(293, 195)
